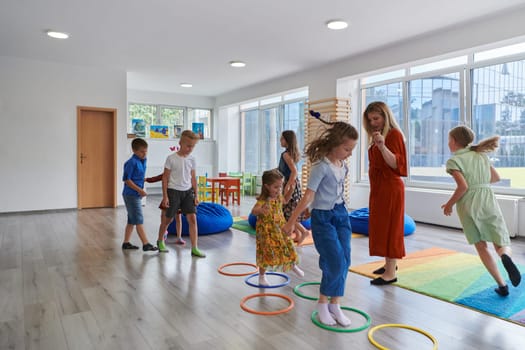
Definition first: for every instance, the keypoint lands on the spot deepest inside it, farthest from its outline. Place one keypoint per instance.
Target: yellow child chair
(205, 190)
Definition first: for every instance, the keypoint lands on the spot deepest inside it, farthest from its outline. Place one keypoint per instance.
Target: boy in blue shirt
(133, 177)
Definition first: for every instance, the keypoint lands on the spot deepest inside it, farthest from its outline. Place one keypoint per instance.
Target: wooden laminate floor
(65, 283)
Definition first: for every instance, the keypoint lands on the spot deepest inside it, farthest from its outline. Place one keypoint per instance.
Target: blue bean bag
(359, 222)
(211, 218)
(252, 220)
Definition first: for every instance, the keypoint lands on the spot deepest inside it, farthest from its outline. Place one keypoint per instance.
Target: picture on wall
(158, 131)
(138, 127)
(177, 131)
(198, 128)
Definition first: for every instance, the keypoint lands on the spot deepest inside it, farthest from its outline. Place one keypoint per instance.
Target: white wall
(38, 116)
(322, 82)
(155, 97)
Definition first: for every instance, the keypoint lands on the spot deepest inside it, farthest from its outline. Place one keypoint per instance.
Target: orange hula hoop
(222, 272)
(267, 313)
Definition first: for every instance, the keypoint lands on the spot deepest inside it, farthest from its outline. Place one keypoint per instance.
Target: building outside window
(482, 90)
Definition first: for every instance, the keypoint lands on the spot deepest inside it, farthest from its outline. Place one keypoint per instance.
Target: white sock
(335, 310)
(263, 281)
(324, 315)
(298, 271)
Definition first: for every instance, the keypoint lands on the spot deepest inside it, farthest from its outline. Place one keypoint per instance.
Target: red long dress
(387, 199)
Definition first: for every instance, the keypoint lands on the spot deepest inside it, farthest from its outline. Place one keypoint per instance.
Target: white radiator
(424, 205)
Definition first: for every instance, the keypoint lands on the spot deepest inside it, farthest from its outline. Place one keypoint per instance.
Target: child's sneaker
(180, 241)
(502, 290)
(148, 247)
(162, 247)
(196, 252)
(127, 245)
(512, 270)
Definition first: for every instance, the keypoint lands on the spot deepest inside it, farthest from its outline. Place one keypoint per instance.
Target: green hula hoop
(343, 330)
(299, 294)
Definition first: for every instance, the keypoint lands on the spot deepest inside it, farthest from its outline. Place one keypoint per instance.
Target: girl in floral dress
(274, 249)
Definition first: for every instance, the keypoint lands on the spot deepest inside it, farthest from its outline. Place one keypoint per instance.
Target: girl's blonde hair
(268, 178)
(385, 111)
(464, 136)
(330, 138)
(291, 145)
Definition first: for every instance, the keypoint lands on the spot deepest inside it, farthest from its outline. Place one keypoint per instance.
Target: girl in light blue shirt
(331, 228)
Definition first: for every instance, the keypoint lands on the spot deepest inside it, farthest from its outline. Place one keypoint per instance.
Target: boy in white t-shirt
(179, 186)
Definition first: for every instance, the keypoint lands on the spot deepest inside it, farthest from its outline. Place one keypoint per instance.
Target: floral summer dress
(274, 249)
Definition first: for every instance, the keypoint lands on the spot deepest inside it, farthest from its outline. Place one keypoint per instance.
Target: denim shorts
(134, 208)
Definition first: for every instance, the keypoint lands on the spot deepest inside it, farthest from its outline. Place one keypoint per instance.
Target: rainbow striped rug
(458, 278)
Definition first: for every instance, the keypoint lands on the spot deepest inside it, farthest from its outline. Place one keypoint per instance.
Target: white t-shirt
(180, 167)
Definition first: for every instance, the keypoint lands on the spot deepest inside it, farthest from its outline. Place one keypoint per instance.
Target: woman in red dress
(387, 164)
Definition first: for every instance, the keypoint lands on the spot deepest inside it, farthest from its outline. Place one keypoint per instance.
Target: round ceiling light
(336, 24)
(237, 64)
(186, 85)
(57, 35)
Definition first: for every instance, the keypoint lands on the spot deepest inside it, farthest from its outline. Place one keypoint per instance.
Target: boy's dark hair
(138, 143)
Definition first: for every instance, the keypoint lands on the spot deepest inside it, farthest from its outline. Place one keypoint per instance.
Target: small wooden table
(225, 182)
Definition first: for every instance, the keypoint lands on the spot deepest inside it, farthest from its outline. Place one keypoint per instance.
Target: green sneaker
(196, 252)
(162, 247)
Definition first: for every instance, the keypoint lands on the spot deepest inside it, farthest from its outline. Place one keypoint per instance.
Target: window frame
(465, 71)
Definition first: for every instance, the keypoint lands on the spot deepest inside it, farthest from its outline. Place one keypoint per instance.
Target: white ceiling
(162, 43)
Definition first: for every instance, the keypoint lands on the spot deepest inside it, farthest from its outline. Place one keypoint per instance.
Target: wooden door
(96, 157)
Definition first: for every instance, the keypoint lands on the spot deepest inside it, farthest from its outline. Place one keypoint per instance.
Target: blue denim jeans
(134, 208)
(331, 232)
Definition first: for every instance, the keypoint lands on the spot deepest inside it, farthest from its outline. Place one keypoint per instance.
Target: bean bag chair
(211, 218)
(252, 220)
(359, 222)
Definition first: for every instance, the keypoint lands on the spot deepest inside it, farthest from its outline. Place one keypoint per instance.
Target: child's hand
(265, 209)
(288, 228)
(447, 209)
(306, 214)
(142, 193)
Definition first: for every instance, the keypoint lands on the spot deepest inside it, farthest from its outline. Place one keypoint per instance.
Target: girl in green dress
(476, 204)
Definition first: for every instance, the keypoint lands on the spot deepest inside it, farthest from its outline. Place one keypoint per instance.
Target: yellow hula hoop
(398, 325)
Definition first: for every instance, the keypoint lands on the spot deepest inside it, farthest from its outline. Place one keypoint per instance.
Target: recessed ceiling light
(336, 24)
(57, 35)
(237, 64)
(186, 85)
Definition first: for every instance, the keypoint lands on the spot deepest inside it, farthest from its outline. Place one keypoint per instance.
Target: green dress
(478, 209)
(274, 249)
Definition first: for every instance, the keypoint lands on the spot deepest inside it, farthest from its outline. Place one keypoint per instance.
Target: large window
(498, 108)
(263, 122)
(482, 90)
(145, 117)
(200, 116)
(251, 141)
(434, 110)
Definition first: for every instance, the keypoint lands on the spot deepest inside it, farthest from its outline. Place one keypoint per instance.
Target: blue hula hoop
(285, 276)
